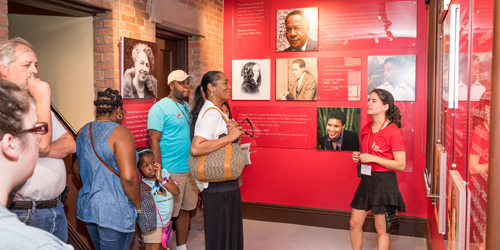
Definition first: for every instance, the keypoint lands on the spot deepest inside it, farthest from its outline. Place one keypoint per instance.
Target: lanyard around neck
(367, 148)
(185, 116)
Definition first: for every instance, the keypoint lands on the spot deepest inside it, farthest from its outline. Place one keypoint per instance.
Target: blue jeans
(52, 220)
(108, 239)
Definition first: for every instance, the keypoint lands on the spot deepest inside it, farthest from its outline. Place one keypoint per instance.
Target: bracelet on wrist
(164, 182)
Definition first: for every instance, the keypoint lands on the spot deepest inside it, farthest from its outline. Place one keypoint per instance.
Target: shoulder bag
(224, 164)
(146, 219)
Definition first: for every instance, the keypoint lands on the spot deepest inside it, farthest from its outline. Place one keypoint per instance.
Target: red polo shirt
(387, 140)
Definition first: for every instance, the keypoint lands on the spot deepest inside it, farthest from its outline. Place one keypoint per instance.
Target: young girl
(162, 188)
(382, 152)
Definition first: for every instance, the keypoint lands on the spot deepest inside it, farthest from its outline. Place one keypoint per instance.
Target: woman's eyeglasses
(251, 126)
(40, 128)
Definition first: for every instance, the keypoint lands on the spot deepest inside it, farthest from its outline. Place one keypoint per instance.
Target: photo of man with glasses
(299, 27)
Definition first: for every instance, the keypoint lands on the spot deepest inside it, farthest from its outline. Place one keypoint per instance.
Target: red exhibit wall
(326, 179)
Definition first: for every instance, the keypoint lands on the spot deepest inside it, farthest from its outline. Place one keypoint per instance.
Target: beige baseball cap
(179, 75)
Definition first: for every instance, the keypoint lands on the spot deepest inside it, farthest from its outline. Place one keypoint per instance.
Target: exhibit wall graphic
(297, 29)
(349, 33)
(340, 126)
(137, 68)
(251, 79)
(137, 60)
(296, 79)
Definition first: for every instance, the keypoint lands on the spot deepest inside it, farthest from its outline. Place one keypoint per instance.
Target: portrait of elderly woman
(251, 79)
(336, 130)
(138, 80)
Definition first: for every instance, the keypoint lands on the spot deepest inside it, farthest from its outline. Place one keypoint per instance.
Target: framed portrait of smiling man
(137, 68)
(297, 29)
(338, 128)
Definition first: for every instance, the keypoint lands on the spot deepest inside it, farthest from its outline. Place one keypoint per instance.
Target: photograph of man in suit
(297, 26)
(302, 86)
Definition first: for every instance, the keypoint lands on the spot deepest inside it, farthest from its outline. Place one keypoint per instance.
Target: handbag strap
(227, 120)
(160, 217)
(222, 114)
(148, 188)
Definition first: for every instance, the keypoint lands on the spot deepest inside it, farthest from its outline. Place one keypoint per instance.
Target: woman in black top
(337, 137)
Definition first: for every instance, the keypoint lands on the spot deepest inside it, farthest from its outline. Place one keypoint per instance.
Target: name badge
(178, 115)
(366, 169)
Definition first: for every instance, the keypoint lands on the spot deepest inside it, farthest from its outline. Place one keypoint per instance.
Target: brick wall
(4, 22)
(128, 18)
(205, 53)
(131, 18)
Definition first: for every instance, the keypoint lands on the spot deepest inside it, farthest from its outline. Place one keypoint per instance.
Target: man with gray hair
(297, 28)
(38, 202)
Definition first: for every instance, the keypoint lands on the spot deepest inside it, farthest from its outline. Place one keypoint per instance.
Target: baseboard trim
(75, 240)
(336, 219)
(428, 236)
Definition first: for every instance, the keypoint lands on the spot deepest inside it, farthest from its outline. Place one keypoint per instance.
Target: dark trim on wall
(75, 240)
(318, 217)
(428, 236)
(63, 120)
(67, 7)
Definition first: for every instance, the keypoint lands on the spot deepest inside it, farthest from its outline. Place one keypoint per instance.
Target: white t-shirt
(49, 178)
(209, 126)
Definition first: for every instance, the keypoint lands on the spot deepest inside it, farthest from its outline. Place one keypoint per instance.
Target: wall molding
(328, 218)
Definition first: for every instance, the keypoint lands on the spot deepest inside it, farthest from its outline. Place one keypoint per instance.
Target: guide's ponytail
(393, 113)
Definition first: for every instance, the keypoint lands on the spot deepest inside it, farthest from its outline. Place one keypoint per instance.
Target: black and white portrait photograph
(395, 74)
(252, 79)
(297, 29)
(296, 79)
(138, 75)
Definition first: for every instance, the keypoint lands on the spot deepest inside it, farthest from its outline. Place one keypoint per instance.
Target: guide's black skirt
(378, 192)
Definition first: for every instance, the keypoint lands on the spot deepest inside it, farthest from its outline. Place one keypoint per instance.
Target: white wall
(64, 48)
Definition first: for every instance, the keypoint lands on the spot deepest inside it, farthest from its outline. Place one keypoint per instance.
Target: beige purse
(224, 164)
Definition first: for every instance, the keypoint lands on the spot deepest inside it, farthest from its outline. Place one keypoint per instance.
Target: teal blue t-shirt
(164, 201)
(171, 119)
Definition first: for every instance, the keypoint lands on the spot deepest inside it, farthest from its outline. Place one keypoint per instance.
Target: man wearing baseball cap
(169, 137)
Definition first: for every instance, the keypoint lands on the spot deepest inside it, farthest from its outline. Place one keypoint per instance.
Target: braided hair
(393, 113)
(107, 101)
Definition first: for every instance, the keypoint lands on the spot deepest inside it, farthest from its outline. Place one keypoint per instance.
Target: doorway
(172, 55)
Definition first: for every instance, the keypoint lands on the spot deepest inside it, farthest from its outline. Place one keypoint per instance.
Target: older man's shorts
(188, 195)
(152, 237)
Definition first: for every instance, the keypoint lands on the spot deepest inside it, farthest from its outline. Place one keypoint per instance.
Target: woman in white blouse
(221, 200)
